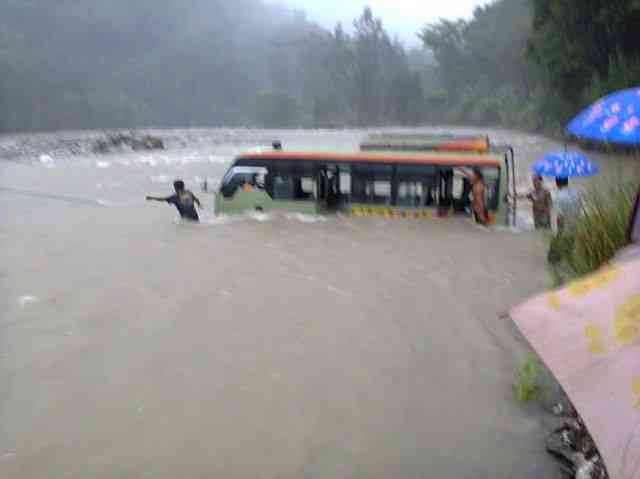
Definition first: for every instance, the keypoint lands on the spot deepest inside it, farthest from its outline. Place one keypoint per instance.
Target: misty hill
(88, 64)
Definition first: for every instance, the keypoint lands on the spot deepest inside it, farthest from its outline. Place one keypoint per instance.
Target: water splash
(258, 216)
(47, 161)
(161, 179)
(302, 218)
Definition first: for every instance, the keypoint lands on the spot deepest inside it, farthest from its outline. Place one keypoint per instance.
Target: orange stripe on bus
(436, 160)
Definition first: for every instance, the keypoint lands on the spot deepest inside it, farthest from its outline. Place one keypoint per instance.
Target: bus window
(416, 185)
(371, 184)
(492, 185)
(461, 192)
(345, 183)
(282, 187)
(410, 194)
(291, 181)
(305, 189)
(242, 175)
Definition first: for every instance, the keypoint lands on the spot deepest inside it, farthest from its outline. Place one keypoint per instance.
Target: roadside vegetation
(531, 63)
(529, 385)
(600, 232)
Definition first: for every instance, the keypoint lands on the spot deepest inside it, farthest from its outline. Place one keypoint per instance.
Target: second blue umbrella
(565, 164)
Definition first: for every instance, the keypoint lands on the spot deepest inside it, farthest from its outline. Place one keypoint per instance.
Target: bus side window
(345, 183)
(416, 185)
(235, 182)
(239, 176)
(305, 188)
(492, 185)
(371, 184)
(446, 187)
(461, 193)
(410, 193)
(282, 187)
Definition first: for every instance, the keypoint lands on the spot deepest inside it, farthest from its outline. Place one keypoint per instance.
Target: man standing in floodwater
(184, 200)
(541, 201)
(478, 202)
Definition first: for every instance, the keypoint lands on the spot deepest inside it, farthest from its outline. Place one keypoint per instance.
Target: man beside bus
(478, 202)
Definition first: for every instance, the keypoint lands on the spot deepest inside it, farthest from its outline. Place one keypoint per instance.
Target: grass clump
(600, 231)
(529, 386)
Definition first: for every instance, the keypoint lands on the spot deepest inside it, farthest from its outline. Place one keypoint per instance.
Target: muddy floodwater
(135, 346)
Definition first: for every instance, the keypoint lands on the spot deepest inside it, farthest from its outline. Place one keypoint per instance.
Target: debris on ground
(574, 449)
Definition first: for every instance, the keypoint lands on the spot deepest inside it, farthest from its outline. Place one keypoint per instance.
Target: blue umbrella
(613, 119)
(565, 164)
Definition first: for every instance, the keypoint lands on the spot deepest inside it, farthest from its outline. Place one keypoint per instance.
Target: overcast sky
(400, 17)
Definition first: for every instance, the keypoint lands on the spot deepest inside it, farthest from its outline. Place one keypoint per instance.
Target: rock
(589, 469)
(557, 446)
(100, 146)
(147, 142)
(576, 452)
(119, 140)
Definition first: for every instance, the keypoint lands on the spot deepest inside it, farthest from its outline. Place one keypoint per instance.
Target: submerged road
(133, 346)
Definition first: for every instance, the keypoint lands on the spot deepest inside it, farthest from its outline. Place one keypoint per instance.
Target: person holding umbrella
(564, 165)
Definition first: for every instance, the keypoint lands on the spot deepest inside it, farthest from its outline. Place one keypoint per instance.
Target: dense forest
(532, 63)
(86, 64)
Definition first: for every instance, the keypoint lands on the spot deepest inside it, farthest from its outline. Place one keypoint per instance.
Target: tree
(446, 40)
(575, 42)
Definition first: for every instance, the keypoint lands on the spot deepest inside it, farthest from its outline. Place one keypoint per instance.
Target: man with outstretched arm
(183, 199)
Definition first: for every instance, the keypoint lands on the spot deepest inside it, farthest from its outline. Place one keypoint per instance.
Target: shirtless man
(183, 200)
(478, 203)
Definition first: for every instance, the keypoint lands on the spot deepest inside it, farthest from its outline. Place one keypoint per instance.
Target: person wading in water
(541, 201)
(184, 200)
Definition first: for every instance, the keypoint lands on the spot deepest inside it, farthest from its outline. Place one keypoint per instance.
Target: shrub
(529, 386)
(600, 231)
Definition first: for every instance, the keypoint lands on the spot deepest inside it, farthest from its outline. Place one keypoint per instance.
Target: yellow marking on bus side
(394, 213)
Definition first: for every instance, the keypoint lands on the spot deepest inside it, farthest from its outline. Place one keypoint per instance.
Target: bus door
(328, 185)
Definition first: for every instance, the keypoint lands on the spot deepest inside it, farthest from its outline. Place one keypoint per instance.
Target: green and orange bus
(388, 184)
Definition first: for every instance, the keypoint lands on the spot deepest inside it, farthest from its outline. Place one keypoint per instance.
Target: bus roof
(426, 142)
(436, 159)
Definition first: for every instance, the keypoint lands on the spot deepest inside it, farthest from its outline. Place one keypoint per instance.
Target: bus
(426, 142)
(387, 184)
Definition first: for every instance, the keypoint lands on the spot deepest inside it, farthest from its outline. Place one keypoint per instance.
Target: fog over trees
(89, 64)
(73, 64)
